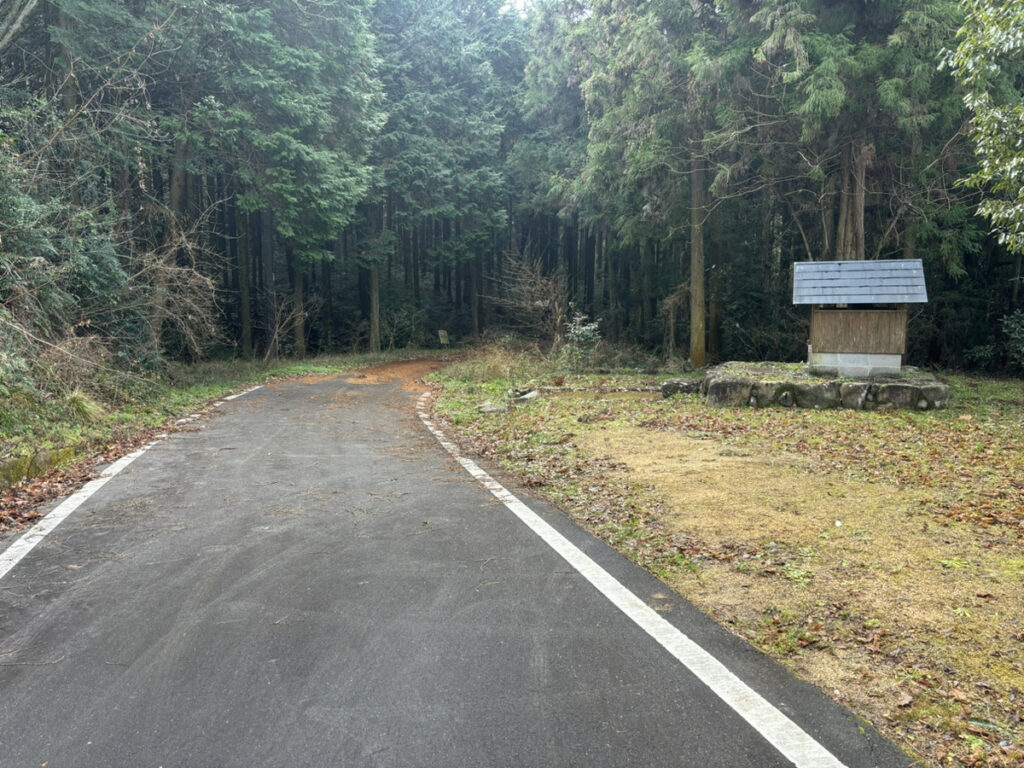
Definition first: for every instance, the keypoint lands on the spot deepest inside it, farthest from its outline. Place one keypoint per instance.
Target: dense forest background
(181, 178)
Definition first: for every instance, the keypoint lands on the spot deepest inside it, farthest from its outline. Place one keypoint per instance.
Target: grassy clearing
(879, 555)
(119, 405)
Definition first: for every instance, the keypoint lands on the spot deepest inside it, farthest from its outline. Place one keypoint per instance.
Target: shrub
(84, 408)
(581, 333)
(1013, 328)
(982, 357)
(582, 337)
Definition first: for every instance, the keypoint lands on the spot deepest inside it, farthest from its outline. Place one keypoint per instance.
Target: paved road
(308, 579)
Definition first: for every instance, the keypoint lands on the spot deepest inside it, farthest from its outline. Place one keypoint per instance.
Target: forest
(255, 178)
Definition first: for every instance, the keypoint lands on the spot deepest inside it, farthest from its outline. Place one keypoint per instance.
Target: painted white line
(14, 553)
(781, 732)
(246, 392)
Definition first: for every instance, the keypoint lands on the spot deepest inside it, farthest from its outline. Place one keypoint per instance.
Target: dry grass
(880, 556)
(84, 407)
(852, 582)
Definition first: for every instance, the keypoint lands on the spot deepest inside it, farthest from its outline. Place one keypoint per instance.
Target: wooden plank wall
(859, 331)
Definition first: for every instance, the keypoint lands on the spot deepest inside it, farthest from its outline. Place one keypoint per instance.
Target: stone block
(899, 395)
(763, 393)
(728, 392)
(936, 394)
(680, 387)
(760, 385)
(767, 393)
(854, 395)
(817, 394)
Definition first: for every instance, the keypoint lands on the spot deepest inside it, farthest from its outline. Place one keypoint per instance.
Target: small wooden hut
(858, 313)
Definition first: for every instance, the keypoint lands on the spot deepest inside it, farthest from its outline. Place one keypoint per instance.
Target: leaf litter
(878, 555)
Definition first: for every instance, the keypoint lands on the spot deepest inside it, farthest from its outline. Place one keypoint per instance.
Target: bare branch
(15, 20)
(535, 301)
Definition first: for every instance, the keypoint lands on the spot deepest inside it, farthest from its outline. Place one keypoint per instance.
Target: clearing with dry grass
(878, 555)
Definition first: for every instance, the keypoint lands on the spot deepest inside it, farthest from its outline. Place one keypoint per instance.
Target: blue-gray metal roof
(898, 281)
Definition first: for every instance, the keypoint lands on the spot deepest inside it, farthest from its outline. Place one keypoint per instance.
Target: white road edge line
(244, 392)
(781, 732)
(14, 553)
(17, 551)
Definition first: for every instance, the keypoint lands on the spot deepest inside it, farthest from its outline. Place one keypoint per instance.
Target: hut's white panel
(853, 365)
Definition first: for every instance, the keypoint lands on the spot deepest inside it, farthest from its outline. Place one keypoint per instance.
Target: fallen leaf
(904, 700)
(957, 695)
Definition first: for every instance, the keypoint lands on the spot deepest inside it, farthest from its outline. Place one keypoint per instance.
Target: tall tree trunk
(626, 273)
(611, 282)
(646, 284)
(417, 264)
(244, 283)
(179, 175)
(68, 86)
(909, 246)
(698, 350)
(670, 331)
(406, 240)
(552, 248)
(235, 243)
(590, 271)
(327, 291)
(714, 352)
(853, 170)
(843, 233)
(862, 155)
(827, 209)
(375, 307)
(715, 300)
(228, 240)
(571, 249)
(655, 274)
(14, 19)
(270, 319)
(478, 287)
(474, 299)
(298, 305)
(1018, 277)
(176, 203)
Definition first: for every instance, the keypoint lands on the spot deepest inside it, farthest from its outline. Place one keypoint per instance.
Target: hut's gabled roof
(899, 281)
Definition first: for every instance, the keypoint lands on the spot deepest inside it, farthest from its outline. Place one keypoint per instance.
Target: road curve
(307, 578)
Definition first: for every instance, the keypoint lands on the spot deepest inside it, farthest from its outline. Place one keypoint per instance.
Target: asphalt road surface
(307, 578)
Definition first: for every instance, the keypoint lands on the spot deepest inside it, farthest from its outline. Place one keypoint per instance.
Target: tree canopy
(186, 177)
(989, 62)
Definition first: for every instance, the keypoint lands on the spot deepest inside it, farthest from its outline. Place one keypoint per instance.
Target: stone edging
(732, 387)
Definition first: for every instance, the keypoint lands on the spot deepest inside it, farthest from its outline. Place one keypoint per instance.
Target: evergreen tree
(988, 63)
(450, 71)
(303, 172)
